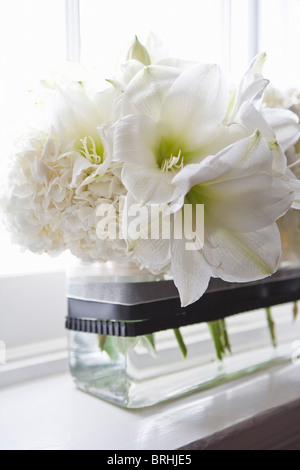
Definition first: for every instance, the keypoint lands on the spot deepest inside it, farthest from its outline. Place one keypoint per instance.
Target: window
(279, 38)
(32, 38)
(191, 29)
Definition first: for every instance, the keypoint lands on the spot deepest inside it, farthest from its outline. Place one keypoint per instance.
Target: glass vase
(136, 372)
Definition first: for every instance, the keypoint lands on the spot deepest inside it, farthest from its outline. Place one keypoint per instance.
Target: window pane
(192, 29)
(32, 41)
(279, 38)
(240, 37)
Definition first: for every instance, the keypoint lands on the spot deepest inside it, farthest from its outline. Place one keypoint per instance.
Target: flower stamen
(90, 153)
(173, 164)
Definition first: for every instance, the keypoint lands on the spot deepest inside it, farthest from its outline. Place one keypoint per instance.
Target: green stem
(272, 328)
(226, 337)
(151, 340)
(216, 336)
(295, 311)
(219, 333)
(181, 343)
(106, 344)
(102, 341)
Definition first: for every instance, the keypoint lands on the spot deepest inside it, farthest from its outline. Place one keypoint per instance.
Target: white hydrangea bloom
(289, 225)
(59, 177)
(79, 221)
(38, 191)
(288, 100)
(47, 212)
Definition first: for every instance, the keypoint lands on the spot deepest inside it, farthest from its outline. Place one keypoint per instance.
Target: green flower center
(172, 155)
(169, 156)
(173, 163)
(92, 150)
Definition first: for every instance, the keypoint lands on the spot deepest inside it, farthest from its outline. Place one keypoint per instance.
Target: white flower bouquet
(172, 170)
(165, 134)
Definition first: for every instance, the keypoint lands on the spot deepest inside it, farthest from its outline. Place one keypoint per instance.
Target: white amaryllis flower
(185, 116)
(184, 142)
(76, 120)
(150, 53)
(154, 52)
(280, 127)
(242, 201)
(138, 56)
(171, 125)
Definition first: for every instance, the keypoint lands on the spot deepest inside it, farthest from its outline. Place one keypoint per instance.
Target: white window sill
(34, 361)
(259, 412)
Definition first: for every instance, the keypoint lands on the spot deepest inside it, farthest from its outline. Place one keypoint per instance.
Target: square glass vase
(140, 371)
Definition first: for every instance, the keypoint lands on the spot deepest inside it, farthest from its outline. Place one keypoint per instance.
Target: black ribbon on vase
(136, 309)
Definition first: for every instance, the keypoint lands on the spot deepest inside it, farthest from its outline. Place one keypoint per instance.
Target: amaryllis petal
(104, 102)
(247, 203)
(74, 116)
(252, 119)
(156, 80)
(196, 104)
(153, 254)
(149, 187)
(156, 48)
(251, 88)
(127, 72)
(178, 63)
(80, 165)
(246, 156)
(243, 257)
(285, 124)
(135, 140)
(190, 271)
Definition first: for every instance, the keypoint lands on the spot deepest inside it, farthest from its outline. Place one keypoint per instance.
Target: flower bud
(138, 52)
